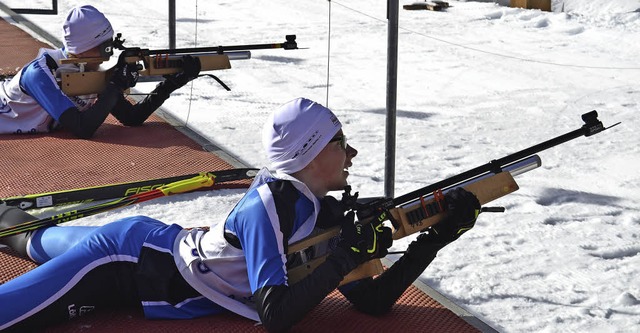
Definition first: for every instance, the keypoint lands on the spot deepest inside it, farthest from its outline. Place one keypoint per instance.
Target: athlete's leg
(51, 242)
(96, 273)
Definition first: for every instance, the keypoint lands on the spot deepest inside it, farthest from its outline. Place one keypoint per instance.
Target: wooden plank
(544, 5)
(428, 5)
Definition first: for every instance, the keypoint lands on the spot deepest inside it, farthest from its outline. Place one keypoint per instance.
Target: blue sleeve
(39, 83)
(261, 241)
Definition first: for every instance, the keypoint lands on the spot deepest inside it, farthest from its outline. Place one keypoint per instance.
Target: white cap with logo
(85, 28)
(296, 133)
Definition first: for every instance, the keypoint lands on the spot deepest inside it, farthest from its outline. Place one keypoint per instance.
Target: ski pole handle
(188, 185)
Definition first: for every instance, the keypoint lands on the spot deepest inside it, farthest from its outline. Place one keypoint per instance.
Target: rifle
(418, 210)
(155, 63)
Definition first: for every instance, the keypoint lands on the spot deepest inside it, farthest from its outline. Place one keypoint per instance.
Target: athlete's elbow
(83, 133)
(132, 122)
(269, 304)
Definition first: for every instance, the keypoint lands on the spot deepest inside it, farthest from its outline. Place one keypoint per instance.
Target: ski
(112, 191)
(198, 182)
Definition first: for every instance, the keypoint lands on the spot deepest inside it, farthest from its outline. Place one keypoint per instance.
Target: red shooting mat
(414, 312)
(16, 49)
(37, 163)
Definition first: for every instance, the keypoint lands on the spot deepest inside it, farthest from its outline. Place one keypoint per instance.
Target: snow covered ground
(475, 83)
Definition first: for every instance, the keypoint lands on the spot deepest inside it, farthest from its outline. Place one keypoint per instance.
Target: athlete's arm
(38, 82)
(263, 230)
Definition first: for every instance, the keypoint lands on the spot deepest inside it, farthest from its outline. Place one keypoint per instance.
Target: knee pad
(10, 216)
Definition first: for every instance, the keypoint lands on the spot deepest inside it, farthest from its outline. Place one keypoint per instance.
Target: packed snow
(476, 82)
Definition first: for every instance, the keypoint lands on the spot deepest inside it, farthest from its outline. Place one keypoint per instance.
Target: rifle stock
(417, 210)
(156, 63)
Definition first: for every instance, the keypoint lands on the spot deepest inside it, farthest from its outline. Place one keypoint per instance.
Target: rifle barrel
(290, 44)
(515, 168)
(592, 126)
(232, 55)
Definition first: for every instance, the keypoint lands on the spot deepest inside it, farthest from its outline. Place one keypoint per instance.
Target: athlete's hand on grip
(125, 75)
(462, 211)
(364, 241)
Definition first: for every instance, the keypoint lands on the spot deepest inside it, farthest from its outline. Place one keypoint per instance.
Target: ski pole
(182, 186)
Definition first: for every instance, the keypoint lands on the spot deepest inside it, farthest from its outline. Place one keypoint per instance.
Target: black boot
(10, 216)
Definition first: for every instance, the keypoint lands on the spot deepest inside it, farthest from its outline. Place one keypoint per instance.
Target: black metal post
(392, 92)
(172, 24)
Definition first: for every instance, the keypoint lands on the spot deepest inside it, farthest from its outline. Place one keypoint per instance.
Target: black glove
(364, 242)
(462, 211)
(124, 75)
(190, 70)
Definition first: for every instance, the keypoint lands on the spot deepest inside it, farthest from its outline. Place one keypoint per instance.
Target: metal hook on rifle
(492, 210)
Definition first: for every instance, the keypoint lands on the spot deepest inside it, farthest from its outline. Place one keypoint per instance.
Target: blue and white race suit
(229, 275)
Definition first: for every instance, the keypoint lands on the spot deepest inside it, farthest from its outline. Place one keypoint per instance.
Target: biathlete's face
(334, 161)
